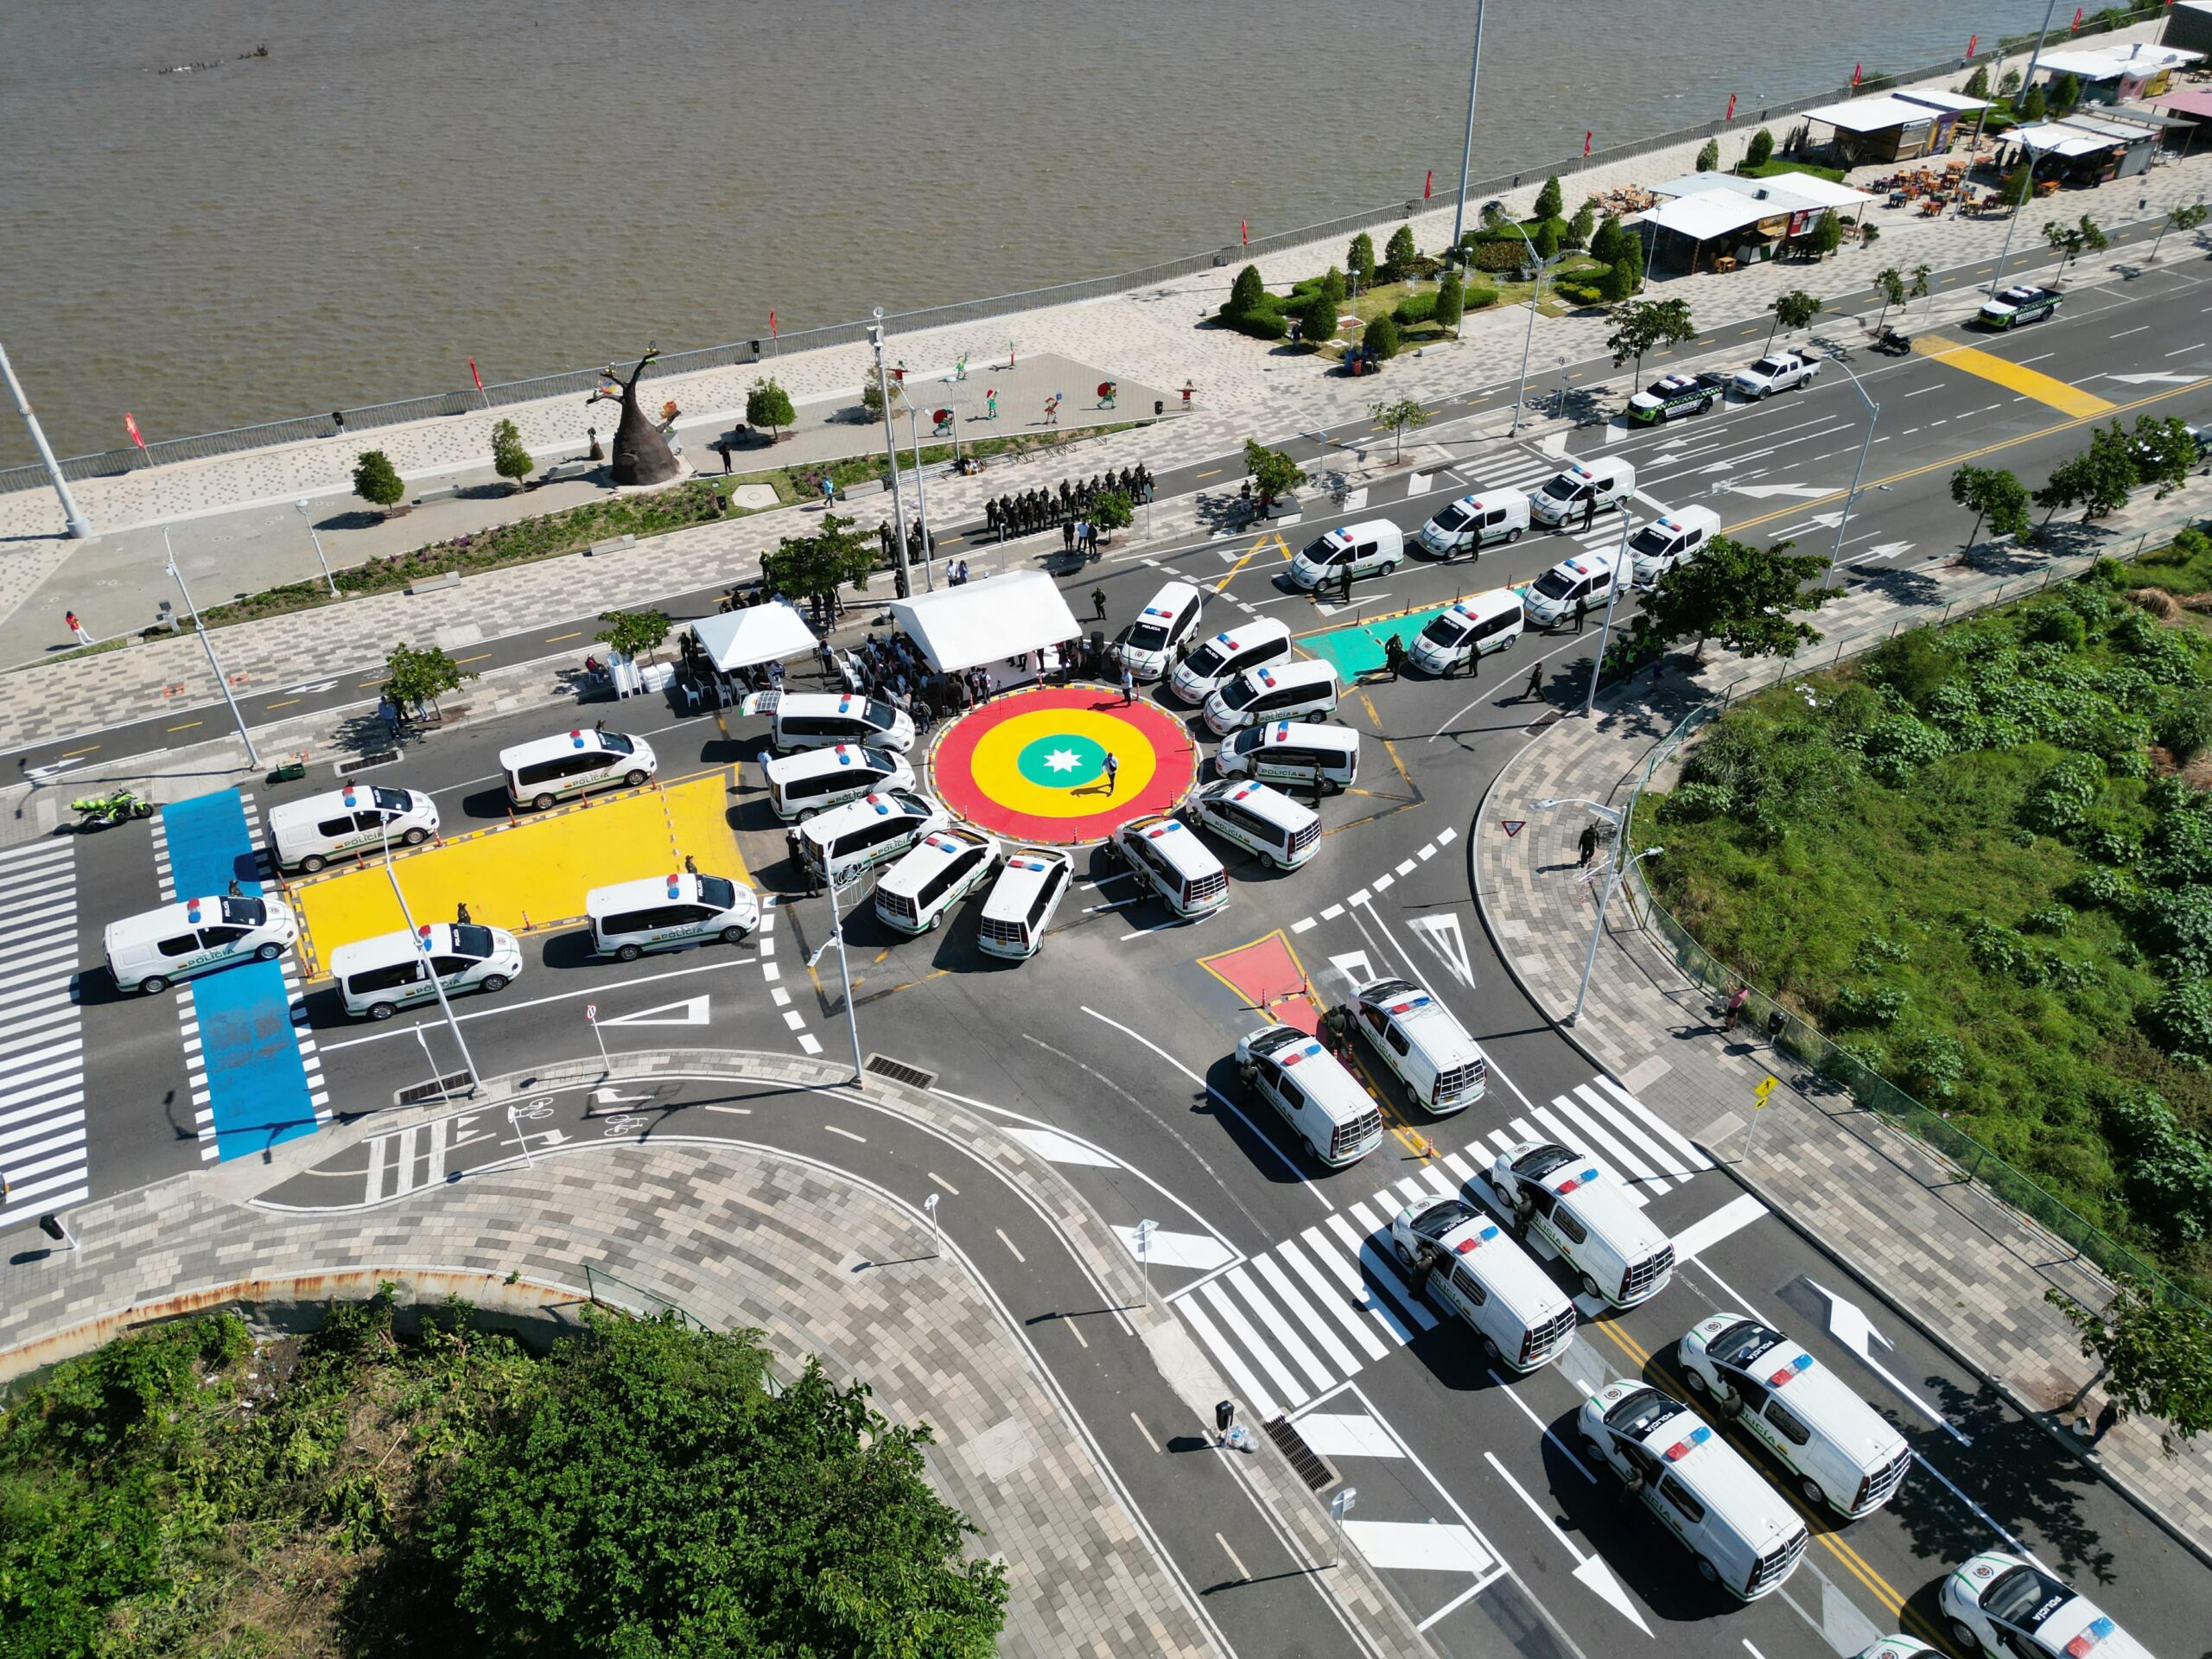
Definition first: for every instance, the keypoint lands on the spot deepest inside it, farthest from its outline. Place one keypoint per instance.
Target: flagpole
(79, 526)
(1467, 149)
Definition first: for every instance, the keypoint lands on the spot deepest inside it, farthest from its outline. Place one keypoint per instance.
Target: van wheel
(806, 813)
(1314, 717)
(1706, 407)
(733, 936)
(153, 987)
(540, 803)
(268, 952)
(1695, 1378)
(416, 836)
(1493, 1351)
(494, 982)
(1389, 569)
(1811, 1488)
(627, 953)
(937, 921)
(1597, 1452)
(1590, 1285)
(381, 1010)
(1511, 536)
(312, 863)
(634, 778)
(1274, 863)
(1962, 1633)
(1405, 1256)
(1708, 1571)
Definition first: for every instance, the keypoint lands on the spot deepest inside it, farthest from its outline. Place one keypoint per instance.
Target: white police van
(2007, 1607)
(1375, 547)
(1474, 1267)
(1470, 629)
(1744, 1534)
(1572, 1204)
(1168, 857)
(815, 719)
(1305, 690)
(1261, 820)
(1572, 587)
(1466, 525)
(1311, 1091)
(1672, 538)
(380, 976)
(1018, 912)
(553, 768)
(1844, 1453)
(1599, 484)
(1292, 751)
(1147, 647)
(151, 951)
(307, 835)
(945, 866)
(1215, 662)
(666, 913)
(1442, 1067)
(814, 780)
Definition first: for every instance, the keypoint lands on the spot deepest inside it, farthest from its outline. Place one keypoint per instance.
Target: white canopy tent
(757, 633)
(998, 618)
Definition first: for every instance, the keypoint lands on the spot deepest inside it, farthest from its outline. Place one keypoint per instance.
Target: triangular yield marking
(692, 1011)
(1442, 934)
(1595, 1576)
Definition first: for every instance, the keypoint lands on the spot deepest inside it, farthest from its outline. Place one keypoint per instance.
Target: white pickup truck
(1777, 372)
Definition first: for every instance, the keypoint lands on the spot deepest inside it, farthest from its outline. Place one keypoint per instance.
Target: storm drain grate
(1549, 719)
(899, 1071)
(1310, 1465)
(421, 1091)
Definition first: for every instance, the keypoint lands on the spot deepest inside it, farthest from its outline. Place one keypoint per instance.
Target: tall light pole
(1467, 152)
(1618, 818)
(308, 514)
(1874, 413)
(252, 757)
(1997, 272)
(79, 526)
(845, 969)
(1621, 569)
(1145, 1230)
(922, 498)
(936, 1227)
(1521, 390)
(890, 451)
(424, 941)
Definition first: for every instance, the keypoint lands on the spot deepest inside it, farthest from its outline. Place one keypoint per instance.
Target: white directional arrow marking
(309, 689)
(1886, 550)
(1353, 966)
(692, 1011)
(1802, 491)
(611, 1096)
(1848, 1324)
(2155, 380)
(1442, 934)
(550, 1137)
(1590, 1571)
(1355, 498)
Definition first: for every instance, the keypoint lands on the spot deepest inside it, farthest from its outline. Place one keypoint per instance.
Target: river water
(400, 185)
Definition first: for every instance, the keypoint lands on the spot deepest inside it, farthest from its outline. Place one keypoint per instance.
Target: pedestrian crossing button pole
(1145, 1230)
(591, 1018)
(1339, 1507)
(936, 1227)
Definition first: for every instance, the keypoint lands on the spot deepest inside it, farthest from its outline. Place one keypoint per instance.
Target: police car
(2026, 304)
(2004, 1605)
(1777, 372)
(1671, 394)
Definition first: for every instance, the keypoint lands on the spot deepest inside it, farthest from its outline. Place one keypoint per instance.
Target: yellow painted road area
(2043, 388)
(532, 875)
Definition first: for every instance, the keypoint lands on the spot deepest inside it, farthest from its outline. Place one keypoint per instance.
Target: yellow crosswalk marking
(2029, 383)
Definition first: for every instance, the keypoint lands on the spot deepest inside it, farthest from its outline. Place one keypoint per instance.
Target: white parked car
(2009, 1608)
(1777, 372)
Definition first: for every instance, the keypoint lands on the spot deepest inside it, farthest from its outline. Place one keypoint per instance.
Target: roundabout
(1032, 766)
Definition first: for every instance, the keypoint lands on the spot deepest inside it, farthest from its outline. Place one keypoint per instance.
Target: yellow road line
(286, 703)
(370, 683)
(1625, 1343)
(1234, 568)
(480, 657)
(187, 727)
(2029, 383)
(1215, 473)
(556, 638)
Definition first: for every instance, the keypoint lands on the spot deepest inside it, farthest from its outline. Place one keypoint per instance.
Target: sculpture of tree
(641, 455)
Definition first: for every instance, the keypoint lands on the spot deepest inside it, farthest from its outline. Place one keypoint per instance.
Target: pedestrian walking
(1128, 685)
(1113, 773)
(1107, 391)
(1586, 845)
(1394, 655)
(234, 889)
(828, 492)
(961, 579)
(1536, 686)
(1009, 357)
(84, 634)
(2107, 1419)
(1098, 604)
(1736, 998)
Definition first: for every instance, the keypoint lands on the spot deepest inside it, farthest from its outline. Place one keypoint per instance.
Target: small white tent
(757, 633)
(986, 621)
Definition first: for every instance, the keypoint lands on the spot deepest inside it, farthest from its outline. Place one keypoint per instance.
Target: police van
(1744, 1534)
(1018, 912)
(1672, 396)
(1305, 690)
(813, 780)
(945, 866)
(1222, 658)
(1571, 1202)
(1672, 538)
(1169, 859)
(1475, 1269)
(848, 840)
(1604, 483)
(2007, 1607)
(1261, 820)
(1292, 751)
(151, 951)
(377, 978)
(1147, 647)
(1572, 587)
(1844, 1453)
(1310, 1091)
(1472, 629)
(815, 719)
(1466, 525)
(666, 913)
(307, 835)
(555, 768)
(1442, 1067)
(1373, 548)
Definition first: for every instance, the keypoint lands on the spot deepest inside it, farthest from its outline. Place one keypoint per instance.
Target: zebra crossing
(1313, 1311)
(1525, 471)
(42, 1145)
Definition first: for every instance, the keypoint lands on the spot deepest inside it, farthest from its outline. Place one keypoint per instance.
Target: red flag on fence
(1730, 116)
(473, 375)
(2077, 24)
(130, 425)
(1973, 41)
(1428, 184)
(1585, 146)
(1245, 230)
(1857, 70)
(772, 324)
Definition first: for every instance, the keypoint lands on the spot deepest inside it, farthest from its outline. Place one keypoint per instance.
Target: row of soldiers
(1032, 511)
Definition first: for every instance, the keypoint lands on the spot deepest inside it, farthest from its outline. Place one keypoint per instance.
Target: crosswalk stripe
(44, 1126)
(36, 946)
(43, 1045)
(1441, 1185)
(1347, 1268)
(1411, 1189)
(51, 992)
(1459, 1164)
(44, 1106)
(1692, 1158)
(1246, 1284)
(1227, 1357)
(1599, 1138)
(24, 1164)
(35, 898)
(1376, 1254)
(1232, 1316)
(51, 1200)
(1574, 1142)
(1662, 1159)
(34, 1027)
(1285, 1292)
(1520, 1127)
(1331, 1299)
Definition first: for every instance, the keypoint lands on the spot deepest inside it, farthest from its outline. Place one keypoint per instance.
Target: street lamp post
(845, 970)
(1467, 151)
(1621, 569)
(1536, 295)
(1997, 272)
(936, 1227)
(422, 938)
(253, 758)
(922, 498)
(306, 513)
(79, 526)
(1618, 818)
(890, 450)
(1874, 413)
(1340, 1506)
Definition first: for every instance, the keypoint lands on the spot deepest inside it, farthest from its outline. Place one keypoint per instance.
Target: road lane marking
(1010, 1245)
(1244, 1574)
(2015, 377)
(187, 727)
(556, 638)
(831, 1128)
(72, 754)
(286, 703)
(1148, 1440)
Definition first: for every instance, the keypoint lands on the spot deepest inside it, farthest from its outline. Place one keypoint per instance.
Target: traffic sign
(1514, 827)
(1764, 1091)
(591, 1012)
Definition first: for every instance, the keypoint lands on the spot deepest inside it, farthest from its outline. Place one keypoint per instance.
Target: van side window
(183, 945)
(1466, 1284)
(1396, 1039)
(1784, 1421)
(1565, 1220)
(1045, 890)
(215, 937)
(1292, 1096)
(389, 977)
(1678, 1494)
(1375, 1017)
(332, 829)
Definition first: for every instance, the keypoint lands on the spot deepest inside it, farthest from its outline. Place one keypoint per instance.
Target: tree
(2034, 107)
(1332, 285)
(818, 567)
(639, 453)
(1741, 595)
(1318, 320)
(1398, 254)
(1578, 227)
(1889, 282)
(1605, 244)
(1977, 83)
(1641, 326)
(2097, 481)
(1760, 150)
(2010, 84)
(768, 405)
(633, 633)
(413, 677)
(1550, 201)
(2069, 242)
(2155, 1355)
(871, 395)
(1405, 412)
(1359, 259)
(1827, 234)
(1451, 300)
(1546, 241)
(1247, 294)
(2067, 93)
(2019, 188)
(663, 1498)
(1709, 156)
(1995, 494)
(1272, 472)
(1921, 287)
(1792, 311)
(1380, 338)
(509, 459)
(1110, 511)
(2163, 453)
(377, 481)
(2178, 218)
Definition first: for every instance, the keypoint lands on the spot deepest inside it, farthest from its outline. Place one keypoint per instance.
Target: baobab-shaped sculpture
(641, 455)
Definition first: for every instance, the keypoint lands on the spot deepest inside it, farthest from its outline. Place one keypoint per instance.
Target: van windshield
(1741, 1343)
(1207, 658)
(718, 891)
(1280, 1036)
(882, 715)
(1241, 692)
(1535, 1166)
(1322, 551)
(615, 743)
(1448, 629)
(1564, 488)
(244, 912)
(1652, 540)
(472, 941)
(1434, 1223)
(1146, 636)
(1640, 1413)
(391, 800)
(881, 760)
(1454, 519)
(1555, 583)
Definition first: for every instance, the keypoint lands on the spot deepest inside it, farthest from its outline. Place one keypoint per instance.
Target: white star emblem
(1062, 760)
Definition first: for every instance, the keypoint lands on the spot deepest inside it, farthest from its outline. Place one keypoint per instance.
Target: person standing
(726, 448)
(1067, 535)
(1128, 685)
(1052, 410)
(1113, 773)
(960, 367)
(1343, 592)
(1098, 604)
(991, 517)
(1590, 509)
(83, 634)
(1394, 655)
(1188, 390)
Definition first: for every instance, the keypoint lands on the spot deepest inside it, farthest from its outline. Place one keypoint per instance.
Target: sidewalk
(1968, 1271)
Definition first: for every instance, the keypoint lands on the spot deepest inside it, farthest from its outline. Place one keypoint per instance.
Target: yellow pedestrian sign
(1764, 1091)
